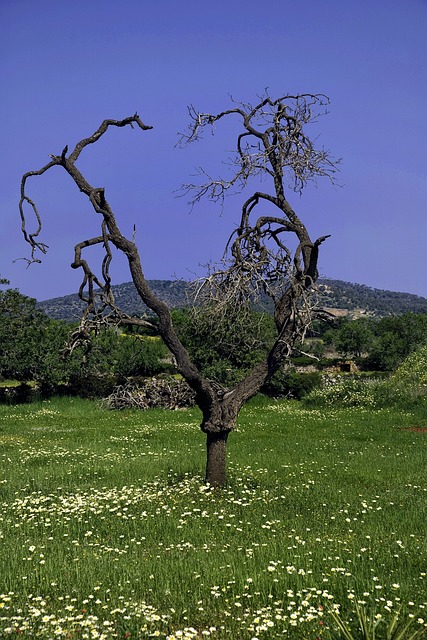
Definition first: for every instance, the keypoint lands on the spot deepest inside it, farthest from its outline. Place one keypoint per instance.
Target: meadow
(107, 529)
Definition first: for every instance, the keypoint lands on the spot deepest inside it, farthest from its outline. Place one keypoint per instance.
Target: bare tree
(273, 143)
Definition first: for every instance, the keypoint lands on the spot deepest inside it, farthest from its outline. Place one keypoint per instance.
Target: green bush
(413, 371)
(21, 393)
(90, 386)
(408, 385)
(292, 384)
(347, 392)
(32, 346)
(304, 361)
(378, 344)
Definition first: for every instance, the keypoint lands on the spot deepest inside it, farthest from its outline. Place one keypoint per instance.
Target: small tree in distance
(273, 144)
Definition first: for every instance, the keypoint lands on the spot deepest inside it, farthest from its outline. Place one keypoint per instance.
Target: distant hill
(173, 292)
(379, 302)
(343, 298)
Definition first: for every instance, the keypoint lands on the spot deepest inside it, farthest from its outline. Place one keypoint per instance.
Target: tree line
(377, 344)
(34, 349)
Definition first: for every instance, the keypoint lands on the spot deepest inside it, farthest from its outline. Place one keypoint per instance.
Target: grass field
(107, 530)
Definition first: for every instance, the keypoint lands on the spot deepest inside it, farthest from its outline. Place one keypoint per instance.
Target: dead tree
(273, 142)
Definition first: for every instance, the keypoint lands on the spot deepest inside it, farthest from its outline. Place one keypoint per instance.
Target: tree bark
(216, 444)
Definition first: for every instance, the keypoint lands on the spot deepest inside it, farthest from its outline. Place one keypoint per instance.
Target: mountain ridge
(344, 298)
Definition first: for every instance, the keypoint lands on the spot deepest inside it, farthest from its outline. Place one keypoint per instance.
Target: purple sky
(65, 66)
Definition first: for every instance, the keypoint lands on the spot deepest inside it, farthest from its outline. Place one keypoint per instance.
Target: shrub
(292, 384)
(90, 385)
(21, 393)
(413, 371)
(224, 350)
(406, 387)
(348, 392)
(304, 361)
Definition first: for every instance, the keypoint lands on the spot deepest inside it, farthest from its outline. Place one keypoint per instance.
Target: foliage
(378, 344)
(32, 344)
(225, 348)
(396, 338)
(405, 388)
(17, 393)
(413, 372)
(111, 357)
(355, 338)
(408, 385)
(386, 353)
(23, 332)
(291, 384)
(344, 392)
(111, 353)
(32, 347)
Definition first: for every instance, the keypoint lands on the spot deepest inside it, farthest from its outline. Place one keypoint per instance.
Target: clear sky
(65, 66)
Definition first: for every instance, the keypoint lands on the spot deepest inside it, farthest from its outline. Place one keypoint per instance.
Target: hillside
(352, 299)
(380, 302)
(173, 292)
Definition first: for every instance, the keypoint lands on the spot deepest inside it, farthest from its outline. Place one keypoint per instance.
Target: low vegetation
(404, 389)
(108, 530)
(33, 351)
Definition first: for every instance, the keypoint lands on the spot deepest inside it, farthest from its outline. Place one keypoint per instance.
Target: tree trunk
(216, 445)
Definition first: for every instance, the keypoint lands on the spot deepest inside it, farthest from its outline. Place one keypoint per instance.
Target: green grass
(107, 530)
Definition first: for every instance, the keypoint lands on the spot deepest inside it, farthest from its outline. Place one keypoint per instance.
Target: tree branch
(131, 120)
(258, 260)
(100, 304)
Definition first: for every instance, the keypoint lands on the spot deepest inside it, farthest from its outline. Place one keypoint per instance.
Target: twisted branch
(95, 292)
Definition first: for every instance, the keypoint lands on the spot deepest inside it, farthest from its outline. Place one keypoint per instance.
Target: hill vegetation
(355, 299)
(379, 302)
